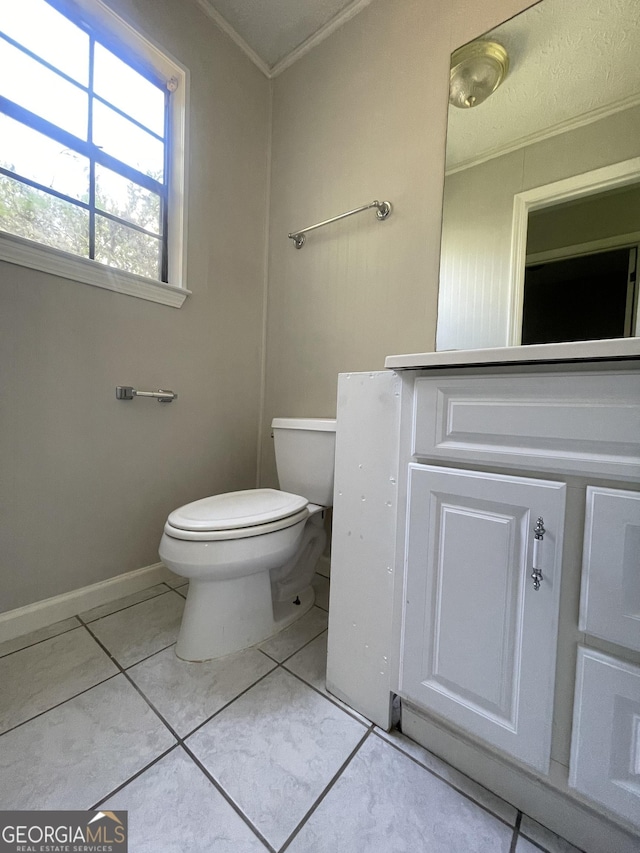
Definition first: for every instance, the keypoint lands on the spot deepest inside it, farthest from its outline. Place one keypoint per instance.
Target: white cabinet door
(605, 746)
(479, 641)
(610, 600)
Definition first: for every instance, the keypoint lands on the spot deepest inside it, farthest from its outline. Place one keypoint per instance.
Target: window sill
(25, 253)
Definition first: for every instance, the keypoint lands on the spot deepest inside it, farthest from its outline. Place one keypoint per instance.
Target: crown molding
(226, 27)
(540, 135)
(308, 44)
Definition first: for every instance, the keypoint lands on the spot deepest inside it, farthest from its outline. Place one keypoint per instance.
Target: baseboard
(15, 623)
(547, 804)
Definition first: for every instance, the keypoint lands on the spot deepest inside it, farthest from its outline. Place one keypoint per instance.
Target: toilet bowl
(250, 556)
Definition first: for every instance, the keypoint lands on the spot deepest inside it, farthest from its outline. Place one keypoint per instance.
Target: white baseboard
(547, 804)
(15, 623)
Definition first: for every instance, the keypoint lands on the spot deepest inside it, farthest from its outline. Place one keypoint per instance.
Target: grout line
(226, 796)
(132, 778)
(267, 655)
(293, 654)
(135, 686)
(180, 743)
(326, 790)
(37, 642)
(226, 705)
(121, 671)
(120, 609)
(183, 581)
(450, 784)
(58, 704)
(153, 654)
(152, 706)
(113, 658)
(308, 643)
(180, 738)
(349, 711)
(273, 660)
(516, 832)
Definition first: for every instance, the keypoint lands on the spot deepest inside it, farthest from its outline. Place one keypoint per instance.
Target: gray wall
(362, 116)
(87, 481)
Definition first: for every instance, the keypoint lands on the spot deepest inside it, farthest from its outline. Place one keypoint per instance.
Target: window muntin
(40, 90)
(41, 159)
(127, 141)
(124, 160)
(128, 201)
(55, 39)
(119, 84)
(127, 248)
(46, 219)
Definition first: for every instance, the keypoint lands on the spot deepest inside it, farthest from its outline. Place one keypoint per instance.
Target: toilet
(250, 556)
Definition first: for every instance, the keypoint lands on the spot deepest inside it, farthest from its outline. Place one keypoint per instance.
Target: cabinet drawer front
(479, 642)
(605, 746)
(610, 597)
(586, 423)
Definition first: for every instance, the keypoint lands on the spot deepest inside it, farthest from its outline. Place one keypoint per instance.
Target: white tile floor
(241, 755)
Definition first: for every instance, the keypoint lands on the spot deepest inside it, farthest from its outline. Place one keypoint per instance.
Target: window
(91, 149)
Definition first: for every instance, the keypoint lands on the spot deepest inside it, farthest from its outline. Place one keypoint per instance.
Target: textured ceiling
(570, 61)
(274, 29)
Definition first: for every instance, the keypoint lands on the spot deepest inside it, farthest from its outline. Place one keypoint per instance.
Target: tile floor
(248, 753)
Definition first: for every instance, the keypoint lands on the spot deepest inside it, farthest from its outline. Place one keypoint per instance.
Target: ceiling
(571, 62)
(274, 33)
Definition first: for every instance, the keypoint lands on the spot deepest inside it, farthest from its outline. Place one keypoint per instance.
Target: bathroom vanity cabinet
(512, 621)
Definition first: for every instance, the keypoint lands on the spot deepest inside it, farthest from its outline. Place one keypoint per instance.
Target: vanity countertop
(531, 354)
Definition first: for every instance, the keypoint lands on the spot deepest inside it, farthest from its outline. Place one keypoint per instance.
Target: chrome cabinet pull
(538, 536)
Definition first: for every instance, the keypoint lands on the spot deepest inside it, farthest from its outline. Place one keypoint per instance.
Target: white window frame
(27, 253)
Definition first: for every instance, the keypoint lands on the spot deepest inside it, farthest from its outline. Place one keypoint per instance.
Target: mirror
(542, 185)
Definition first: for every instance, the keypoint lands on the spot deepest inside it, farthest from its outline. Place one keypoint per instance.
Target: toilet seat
(236, 515)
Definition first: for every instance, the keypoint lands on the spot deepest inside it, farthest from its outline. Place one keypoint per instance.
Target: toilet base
(222, 617)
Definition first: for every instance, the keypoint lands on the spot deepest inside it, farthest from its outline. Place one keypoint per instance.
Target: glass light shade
(477, 69)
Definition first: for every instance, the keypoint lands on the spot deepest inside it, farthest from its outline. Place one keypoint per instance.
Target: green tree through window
(83, 148)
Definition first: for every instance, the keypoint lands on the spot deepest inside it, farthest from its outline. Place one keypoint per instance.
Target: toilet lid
(234, 510)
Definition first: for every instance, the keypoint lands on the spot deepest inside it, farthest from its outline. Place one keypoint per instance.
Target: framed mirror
(541, 213)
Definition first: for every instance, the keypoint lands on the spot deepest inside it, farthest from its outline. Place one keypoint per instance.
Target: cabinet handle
(538, 536)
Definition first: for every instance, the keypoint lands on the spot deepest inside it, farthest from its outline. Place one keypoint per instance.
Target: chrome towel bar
(126, 392)
(384, 208)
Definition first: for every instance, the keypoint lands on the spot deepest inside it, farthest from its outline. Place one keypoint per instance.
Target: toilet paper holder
(126, 392)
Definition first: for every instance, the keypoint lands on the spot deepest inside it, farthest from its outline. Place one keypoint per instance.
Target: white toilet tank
(305, 457)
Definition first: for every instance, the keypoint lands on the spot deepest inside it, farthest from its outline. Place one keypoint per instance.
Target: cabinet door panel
(478, 640)
(610, 597)
(605, 745)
